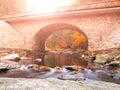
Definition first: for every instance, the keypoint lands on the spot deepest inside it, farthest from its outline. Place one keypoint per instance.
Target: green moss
(1, 82)
(118, 59)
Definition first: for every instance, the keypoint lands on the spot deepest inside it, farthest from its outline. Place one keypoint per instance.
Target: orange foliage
(63, 44)
(57, 47)
(78, 40)
(75, 34)
(73, 39)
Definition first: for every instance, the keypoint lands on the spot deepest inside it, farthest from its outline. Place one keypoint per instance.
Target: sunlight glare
(46, 6)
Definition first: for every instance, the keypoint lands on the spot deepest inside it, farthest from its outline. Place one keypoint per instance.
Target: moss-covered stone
(1, 82)
(117, 58)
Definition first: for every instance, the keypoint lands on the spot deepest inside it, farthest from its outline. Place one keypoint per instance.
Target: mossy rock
(117, 58)
(1, 82)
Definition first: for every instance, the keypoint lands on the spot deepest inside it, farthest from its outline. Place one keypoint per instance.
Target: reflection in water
(58, 59)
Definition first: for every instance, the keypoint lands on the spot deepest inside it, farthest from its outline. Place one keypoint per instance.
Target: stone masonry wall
(9, 37)
(102, 31)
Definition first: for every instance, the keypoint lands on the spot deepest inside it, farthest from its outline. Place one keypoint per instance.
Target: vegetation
(66, 39)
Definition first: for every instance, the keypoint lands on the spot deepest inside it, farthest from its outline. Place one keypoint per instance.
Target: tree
(66, 39)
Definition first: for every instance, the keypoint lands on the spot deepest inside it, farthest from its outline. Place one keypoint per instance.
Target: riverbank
(24, 75)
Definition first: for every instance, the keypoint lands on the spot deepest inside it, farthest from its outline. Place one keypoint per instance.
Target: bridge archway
(41, 37)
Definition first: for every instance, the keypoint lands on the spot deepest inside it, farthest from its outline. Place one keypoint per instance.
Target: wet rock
(38, 60)
(58, 69)
(87, 57)
(34, 67)
(117, 76)
(103, 58)
(77, 76)
(24, 58)
(23, 68)
(10, 64)
(117, 58)
(72, 68)
(3, 70)
(30, 66)
(100, 71)
(3, 67)
(44, 68)
(14, 57)
(114, 63)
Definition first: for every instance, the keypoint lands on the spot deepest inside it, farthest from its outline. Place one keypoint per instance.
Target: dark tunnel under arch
(42, 35)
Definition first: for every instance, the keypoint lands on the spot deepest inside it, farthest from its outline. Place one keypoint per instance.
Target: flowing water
(89, 70)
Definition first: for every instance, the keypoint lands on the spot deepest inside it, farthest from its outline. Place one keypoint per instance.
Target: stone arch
(41, 37)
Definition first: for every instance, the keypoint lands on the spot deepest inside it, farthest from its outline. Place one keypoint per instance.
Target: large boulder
(13, 57)
(3, 66)
(103, 58)
(53, 84)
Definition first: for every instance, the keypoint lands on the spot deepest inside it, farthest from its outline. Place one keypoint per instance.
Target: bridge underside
(41, 37)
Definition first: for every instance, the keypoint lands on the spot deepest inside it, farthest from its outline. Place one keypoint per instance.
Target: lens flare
(45, 6)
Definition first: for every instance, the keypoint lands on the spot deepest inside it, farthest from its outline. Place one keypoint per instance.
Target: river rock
(38, 59)
(23, 68)
(117, 58)
(24, 58)
(10, 64)
(58, 69)
(77, 76)
(73, 67)
(117, 76)
(13, 57)
(115, 63)
(103, 58)
(3, 65)
(44, 68)
(34, 67)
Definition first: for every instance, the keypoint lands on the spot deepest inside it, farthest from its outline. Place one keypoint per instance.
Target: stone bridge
(100, 26)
